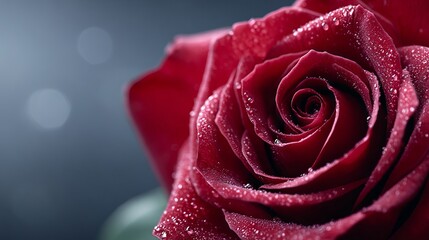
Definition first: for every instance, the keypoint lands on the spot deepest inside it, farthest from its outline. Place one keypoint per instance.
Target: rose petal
(229, 119)
(331, 5)
(374, 222)
(407, 100)
(249, 228)
(216, 161)
(168, 93)
(257, 36)
(415, 227)
(383, 214)
(411, 19)
(348, 128)
(350, 167)
(324, 206)
(215, 157)
(326, 5)
(259, 91)
(254, 153)
(415, 59)
(187, 216)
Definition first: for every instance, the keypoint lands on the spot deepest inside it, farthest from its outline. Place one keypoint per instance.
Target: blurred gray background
(69, 155)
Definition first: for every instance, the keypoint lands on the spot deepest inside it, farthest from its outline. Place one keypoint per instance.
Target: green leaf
(135, 219)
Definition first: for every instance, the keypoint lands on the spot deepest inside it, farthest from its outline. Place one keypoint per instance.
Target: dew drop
(189, 230)
(325, 26)
(95, 45)
(237, 85)
(49, 108)
(164, 235)
(277, 141)
(252, 21)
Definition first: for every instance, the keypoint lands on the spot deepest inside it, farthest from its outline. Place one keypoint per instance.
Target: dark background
(69, 154)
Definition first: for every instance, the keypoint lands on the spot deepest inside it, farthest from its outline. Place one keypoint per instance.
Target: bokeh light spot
(95, 45)
(49, 108)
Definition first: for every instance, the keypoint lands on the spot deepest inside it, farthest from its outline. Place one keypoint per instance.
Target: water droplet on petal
(252, 21)
(325, 26)
(237, 85)
(189, 230)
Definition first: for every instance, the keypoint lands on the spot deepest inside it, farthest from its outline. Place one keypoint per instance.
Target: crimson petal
(168, 93)
(374, 222)
(411, 19)
(415, 58)
(415, 226)
(330, 5)
(187, 215)
(407, 100)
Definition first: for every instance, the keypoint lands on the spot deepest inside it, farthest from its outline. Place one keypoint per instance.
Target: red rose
(310, 123)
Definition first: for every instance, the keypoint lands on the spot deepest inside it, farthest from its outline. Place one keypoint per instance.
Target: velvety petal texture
(309, 123)
(160, 101)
